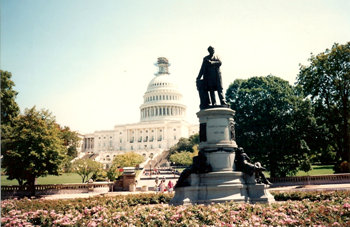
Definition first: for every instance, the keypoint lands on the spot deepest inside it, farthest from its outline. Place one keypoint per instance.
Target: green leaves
(327, 81)
(86, 168)
(129, 159)
(32, 147)
(271, 119)
(9, 107)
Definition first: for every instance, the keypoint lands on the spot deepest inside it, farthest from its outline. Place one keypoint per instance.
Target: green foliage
(327, 81)
(32, 147)
(274, 123)
(129, 159)
(9, 107)
(185, 144)
(70, 141)
(100, 175)
(134, 210)
(86, 168)
(113, 173)
(312, 196)
(182, 158)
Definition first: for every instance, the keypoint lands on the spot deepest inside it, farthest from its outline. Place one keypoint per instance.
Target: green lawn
(316, 170)
(65, 178)
(75, 178)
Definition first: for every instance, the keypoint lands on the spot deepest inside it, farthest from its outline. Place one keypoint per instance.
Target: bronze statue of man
(210, 70)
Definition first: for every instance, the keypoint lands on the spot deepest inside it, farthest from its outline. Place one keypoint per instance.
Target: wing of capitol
(161, 126)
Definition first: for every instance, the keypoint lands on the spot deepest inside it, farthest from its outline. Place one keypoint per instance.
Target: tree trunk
(346, 134)
(31, 186)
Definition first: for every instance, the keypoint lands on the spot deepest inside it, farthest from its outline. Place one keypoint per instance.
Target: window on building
(132, 148)
(174, 137)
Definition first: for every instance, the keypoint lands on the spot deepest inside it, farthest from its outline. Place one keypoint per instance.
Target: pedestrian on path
(162, 186)
(170, 186)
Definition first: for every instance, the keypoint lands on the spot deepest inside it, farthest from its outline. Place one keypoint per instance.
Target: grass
(65, 178)
(316, 170)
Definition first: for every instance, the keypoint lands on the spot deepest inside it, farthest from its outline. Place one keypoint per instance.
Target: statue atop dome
(211, 82)
(163, 65)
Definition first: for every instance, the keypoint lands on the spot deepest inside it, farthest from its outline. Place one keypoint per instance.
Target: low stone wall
(49, 189)
(311, 180)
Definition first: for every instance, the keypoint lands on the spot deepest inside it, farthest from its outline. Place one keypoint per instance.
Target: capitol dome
(162, 100)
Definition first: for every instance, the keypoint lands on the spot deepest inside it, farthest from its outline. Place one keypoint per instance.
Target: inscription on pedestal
(217, 130)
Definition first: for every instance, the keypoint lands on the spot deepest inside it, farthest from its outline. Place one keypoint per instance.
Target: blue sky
(89, 62)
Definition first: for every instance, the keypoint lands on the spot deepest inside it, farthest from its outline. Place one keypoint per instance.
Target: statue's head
(211, 50)
(240, 150)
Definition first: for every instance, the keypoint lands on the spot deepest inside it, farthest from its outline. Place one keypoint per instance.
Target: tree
(129, 159)
(185, 144)
(70, 141)
(274, 123)
(32, 148)
(9, 107)
(327, 81)
(184, 158)
(85, 168)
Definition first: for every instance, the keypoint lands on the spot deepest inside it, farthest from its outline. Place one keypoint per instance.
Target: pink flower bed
(117, 211)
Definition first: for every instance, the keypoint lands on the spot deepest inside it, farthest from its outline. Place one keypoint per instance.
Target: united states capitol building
(161, 126)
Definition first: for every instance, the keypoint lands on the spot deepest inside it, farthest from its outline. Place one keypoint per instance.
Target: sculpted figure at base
(242, 162)
(199, 165)
(211, 82)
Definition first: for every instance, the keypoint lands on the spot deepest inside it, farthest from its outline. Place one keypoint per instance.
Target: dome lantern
(163, 65)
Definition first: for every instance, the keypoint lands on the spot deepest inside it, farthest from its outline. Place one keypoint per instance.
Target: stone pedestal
(220, 186)
(221, 182)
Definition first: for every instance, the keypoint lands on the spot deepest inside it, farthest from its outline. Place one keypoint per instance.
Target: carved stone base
(221, 187)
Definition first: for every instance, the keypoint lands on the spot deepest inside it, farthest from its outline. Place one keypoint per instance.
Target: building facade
(162, 123)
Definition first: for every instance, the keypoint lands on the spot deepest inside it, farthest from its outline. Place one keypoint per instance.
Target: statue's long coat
(211, 73)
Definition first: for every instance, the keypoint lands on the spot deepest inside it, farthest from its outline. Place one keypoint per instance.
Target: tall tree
(70, 141)
(327, 81)
(272, 121)
(32, 148)
(9, 107)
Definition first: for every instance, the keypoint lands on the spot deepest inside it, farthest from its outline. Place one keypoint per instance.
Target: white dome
(162, 100)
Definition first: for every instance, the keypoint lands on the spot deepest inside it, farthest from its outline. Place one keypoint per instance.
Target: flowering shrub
(312, 196)
(125, 211)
